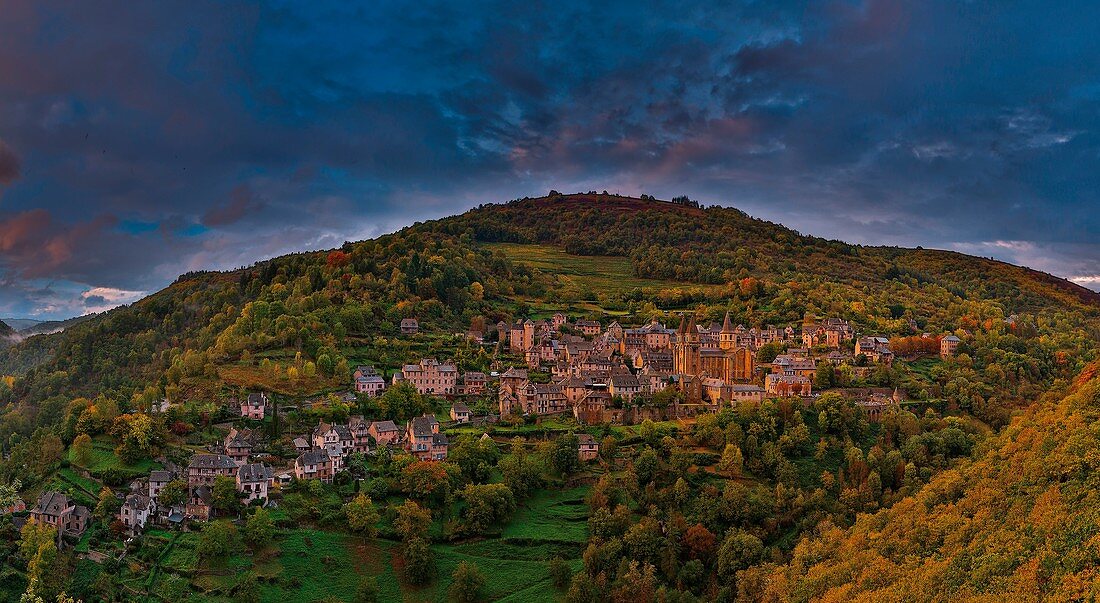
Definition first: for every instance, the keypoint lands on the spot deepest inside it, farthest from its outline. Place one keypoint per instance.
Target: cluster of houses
(321, 455)
(597, 374)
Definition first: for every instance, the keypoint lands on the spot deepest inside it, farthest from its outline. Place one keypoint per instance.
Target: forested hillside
(323, 303)
(1019, 523)
(781, 498)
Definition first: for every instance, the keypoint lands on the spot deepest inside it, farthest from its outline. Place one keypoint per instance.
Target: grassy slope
(610, 275)
(308, 564)
(1020, 523)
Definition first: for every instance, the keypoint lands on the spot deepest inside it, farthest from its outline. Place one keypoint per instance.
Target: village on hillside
(579, 370)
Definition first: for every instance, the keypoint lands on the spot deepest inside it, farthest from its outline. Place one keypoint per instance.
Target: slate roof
(52, 503)
(254, 472)
(212, 461)
(138, 502)
(313, 457)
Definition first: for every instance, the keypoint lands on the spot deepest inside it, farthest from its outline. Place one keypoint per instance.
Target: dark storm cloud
(158, 138)
(9, 164)
(241, 202)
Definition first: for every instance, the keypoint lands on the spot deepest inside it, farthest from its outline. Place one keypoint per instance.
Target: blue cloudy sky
(142, 140)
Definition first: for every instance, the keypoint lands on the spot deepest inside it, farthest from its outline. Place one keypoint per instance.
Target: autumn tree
(732, 461)
(139, 436)
(429, 481)
(108, 505)
(699, 541)
(559, 572)
(411, 521)
(38, 546)
(82, 450)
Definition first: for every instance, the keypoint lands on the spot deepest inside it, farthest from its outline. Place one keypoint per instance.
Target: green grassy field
(103, 458)
(310, 565)
(607, 274)
(551, 516)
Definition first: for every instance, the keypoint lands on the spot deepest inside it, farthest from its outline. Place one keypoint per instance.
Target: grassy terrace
(310, 564)
(103, 458)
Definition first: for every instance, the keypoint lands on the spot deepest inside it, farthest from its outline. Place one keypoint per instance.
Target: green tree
(475, 456)
(225, 496)
(401, 401)
(486, 504)
(825, 377)
(247, 590)
(260, 528)
(563, 454)
(9, 494)
(419, 561)
(172, 494)
(646, 466)
(367, 591)
(218, 539)
(466, 583)
(738, 551)
(362, 516)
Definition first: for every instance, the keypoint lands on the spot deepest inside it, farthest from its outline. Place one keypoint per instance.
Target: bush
(466, 583)
(560, 574)
(419, 562)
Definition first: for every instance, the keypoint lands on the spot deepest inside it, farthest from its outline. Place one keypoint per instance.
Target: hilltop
(500, 261)
(646, 230)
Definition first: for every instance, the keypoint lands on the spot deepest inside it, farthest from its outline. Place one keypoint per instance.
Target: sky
(142, 140)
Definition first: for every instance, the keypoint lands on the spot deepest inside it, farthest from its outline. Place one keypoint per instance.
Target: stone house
(588, 449)
(949, 346)
(383, 432)
(460, 413)
(136, 512)
(157, 481)
(253, 480)
(55, 509)
(203, 468)
(254, 406)
(430, 377)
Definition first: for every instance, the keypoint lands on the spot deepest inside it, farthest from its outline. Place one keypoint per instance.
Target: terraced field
(307, 564)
